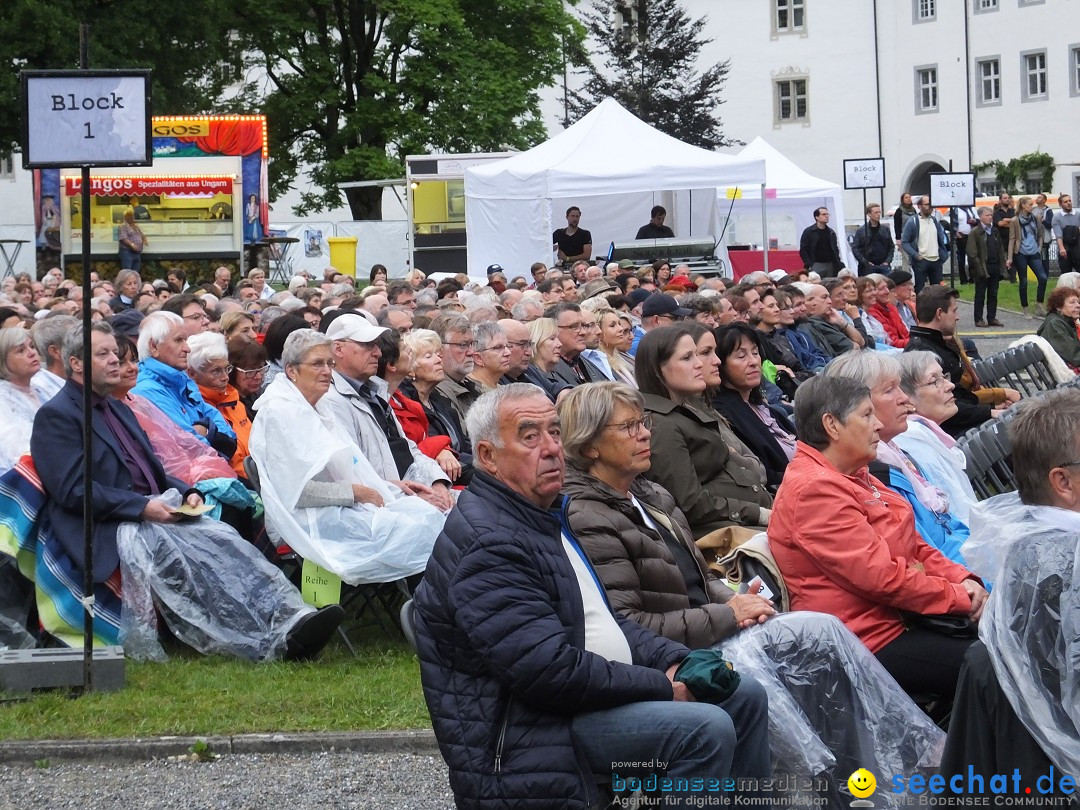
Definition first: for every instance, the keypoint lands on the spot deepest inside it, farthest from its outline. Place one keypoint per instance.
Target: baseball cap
(626, 264)
(778, 275)
(663, 304)
(494, 268)
(127, 322)
(354, 328)
(638, 296)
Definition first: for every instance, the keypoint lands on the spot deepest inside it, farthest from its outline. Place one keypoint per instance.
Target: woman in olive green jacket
(1059, 328)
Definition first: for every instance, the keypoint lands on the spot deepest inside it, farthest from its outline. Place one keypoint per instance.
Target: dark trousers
(987, 289)
(925, 272)
(1069, 261)
(924, 662)
(960, 250)
(985, 732)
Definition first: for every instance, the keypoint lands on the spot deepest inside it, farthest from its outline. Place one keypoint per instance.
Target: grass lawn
(1008, 294)
(195, 695)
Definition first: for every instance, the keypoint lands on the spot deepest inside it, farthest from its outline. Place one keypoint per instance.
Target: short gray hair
(73, 342)
(206, 346)
(586, 410)
(482, 420)
(868, 367)
(527, 309)
(11, 338)
(486, 333)
(982, 208)
(1045, 434)
(912, 367)
(299, 343)
(50, 332)
(156, 327)
(821, 395)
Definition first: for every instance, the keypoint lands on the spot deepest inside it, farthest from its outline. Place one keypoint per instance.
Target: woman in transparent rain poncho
(832, 707)
(1018, 700)
(322, 497)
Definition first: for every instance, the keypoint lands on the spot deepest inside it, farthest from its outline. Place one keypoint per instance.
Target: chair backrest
(988, 452)
(408, 622)
(1038, 368)
(251, 472)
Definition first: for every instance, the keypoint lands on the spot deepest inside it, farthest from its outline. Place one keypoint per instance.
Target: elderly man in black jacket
(534, 686)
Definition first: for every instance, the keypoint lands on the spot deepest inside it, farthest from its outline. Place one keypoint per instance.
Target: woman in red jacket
(847, 545)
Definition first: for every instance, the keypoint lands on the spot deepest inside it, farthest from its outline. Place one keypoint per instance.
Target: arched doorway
(919, 181)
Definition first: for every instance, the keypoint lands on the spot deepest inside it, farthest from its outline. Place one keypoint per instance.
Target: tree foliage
(353, 86)
(181, 43)
(651, 49)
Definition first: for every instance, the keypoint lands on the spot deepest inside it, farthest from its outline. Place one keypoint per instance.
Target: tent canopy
(611, 164)
(791, 197)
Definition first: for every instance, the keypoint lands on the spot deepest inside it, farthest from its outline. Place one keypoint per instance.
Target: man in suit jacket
(573, 368)
(126, 472)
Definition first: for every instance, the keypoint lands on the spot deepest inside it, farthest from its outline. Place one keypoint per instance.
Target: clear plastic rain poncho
(1031, 624)
(832, 707)
(292, 444)
(214, 589)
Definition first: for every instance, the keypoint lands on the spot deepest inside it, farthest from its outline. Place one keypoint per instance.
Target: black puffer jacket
(638, 570)
(501, 636)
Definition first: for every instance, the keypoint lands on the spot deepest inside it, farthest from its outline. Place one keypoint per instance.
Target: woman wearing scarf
(1025, 250)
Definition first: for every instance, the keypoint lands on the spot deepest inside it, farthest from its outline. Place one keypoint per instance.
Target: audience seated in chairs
(208, 365)
(847, 546)
(1060, 326)
(323, 497)
(249, 367)
(19, 363)
(128, 480)
(1017, 703)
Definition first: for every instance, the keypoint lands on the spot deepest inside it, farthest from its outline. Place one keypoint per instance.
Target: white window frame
(923, 11)
(794, 118)
(986, 6)
(791, 7)
(934, 86)
(1027, 73)
(981, 99)
(1074, 70)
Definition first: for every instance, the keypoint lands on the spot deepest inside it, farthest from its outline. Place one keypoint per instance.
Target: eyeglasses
(518, 344)
(319, 365)
(1068, 464)
(634, 426)
(197, 316)
(937, 381)
(224, 371)
(502, 348)
(254, 372)
(467, 344)
(575, 327)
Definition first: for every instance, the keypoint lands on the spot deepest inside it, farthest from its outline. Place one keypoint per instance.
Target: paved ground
(325, 781)
(997, 339)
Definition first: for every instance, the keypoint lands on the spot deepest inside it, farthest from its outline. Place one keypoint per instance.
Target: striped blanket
(27, 539)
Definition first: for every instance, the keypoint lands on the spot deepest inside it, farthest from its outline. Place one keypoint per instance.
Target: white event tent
(610, 164)
(791, 195)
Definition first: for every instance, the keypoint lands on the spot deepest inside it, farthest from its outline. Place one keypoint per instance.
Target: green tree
(651, 50)
(183, 43)
(353, 86)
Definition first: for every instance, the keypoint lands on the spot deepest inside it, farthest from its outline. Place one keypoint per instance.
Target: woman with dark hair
(274, 343)
(768, 433)
(378, 274)
(1059, 328)
(10, 317)
(662, 271)
(715, 479)
(249, 367)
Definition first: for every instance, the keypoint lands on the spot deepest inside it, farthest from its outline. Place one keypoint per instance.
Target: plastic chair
(408, 622)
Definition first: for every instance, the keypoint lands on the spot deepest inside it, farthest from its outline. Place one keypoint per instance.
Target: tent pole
(764, 231)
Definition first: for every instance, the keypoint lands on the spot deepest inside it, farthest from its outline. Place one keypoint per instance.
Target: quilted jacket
(500, 636)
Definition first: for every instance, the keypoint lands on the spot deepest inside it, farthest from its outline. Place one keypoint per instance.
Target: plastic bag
(181, 454)
(215, 591)
(1031, 624)
(832, 706)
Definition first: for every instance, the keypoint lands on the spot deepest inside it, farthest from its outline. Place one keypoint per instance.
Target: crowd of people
(563, 468)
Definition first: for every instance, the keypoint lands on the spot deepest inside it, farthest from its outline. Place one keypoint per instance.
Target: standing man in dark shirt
(655, 228)
(818, 247)
(1004, 212)
(873, 247)
(572, 243)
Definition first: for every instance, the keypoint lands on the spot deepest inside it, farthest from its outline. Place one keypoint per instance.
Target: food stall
(205, 196)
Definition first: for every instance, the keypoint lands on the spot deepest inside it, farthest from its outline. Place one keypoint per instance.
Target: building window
(791, 100)
(990, 187)
(790, 16)
(1074, 70)
(923, 10)
(926, 89)
(989, 77)
(983, 6)
(1033, 64)
(1033, 185)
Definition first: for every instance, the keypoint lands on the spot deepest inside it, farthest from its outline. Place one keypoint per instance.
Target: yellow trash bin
(343, 254)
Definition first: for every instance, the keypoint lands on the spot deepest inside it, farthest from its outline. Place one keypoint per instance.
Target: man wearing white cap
(357, 400)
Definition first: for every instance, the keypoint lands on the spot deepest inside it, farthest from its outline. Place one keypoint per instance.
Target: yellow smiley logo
(862, 783)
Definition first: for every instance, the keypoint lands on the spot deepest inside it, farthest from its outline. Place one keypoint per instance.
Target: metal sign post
(87, 119)
(952, 189)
